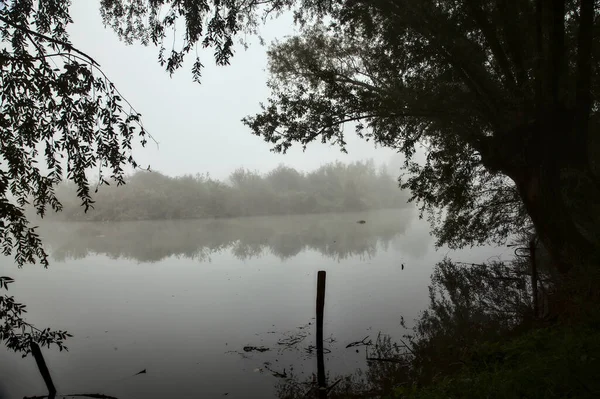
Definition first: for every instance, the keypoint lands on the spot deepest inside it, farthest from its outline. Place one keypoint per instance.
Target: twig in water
(360, 343)
(329, 388)
(276, 374)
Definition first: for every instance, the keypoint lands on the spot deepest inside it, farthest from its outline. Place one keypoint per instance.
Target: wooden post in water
(533, 278)
(41, 363)
(322, 386)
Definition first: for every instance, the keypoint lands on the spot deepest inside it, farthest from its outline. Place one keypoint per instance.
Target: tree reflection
(387, 367)
(469, 304)
(336, 236)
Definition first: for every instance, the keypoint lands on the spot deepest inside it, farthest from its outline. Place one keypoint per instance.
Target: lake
(181, 300)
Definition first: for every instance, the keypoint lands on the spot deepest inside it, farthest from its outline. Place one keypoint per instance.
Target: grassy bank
(562, 361)
(554, 355)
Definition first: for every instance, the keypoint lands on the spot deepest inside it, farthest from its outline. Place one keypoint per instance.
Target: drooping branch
(66, 45)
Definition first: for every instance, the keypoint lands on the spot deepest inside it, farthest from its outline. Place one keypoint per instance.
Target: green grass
(553, 362)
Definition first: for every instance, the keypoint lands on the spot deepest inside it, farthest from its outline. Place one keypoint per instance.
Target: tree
(504, 95)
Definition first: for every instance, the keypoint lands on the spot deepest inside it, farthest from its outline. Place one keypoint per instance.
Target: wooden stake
(320, 312)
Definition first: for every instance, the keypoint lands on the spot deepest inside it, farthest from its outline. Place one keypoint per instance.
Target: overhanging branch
(66, 45)
(437, 29)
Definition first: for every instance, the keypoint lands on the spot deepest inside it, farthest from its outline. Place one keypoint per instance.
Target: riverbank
(555, 356)
(561, 361)
(479, 338)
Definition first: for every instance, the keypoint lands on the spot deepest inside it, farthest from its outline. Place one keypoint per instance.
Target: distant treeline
(335, 187)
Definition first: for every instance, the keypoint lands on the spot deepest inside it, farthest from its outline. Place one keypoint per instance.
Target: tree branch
(512, 29)
(458, 53)
(67, 45)
(584, 65)
(492, 39)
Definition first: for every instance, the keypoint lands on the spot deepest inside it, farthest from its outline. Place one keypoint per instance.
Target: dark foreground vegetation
(480, 338)
(334, 187)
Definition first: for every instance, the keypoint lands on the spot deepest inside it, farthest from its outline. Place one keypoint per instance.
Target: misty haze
(392, 199)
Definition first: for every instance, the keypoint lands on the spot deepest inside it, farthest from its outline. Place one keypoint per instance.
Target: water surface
(181, 299)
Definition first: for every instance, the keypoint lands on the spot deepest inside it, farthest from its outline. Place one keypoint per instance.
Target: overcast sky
(199, 126)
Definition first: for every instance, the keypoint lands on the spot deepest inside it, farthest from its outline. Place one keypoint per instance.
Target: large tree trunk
(552, 172)
(559, 190)
(541, 189)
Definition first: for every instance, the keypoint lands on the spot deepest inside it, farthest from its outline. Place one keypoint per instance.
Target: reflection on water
(336, 236)
(182, 299)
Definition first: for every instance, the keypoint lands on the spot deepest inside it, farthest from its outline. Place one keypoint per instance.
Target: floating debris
(291, 341)
(362, 342)
(255, 349)
(275, 373)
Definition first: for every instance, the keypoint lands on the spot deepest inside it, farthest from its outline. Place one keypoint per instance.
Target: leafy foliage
(16, 333)
(331, 188)
(212, 24)
(469, 304)
(57, 106)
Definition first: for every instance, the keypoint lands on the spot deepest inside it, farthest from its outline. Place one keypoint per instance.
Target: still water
(181, 300)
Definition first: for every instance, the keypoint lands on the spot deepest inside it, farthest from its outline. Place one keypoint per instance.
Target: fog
(198, 126)
(334, 187)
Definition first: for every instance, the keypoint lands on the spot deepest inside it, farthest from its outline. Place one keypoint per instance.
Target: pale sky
(199, 127)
